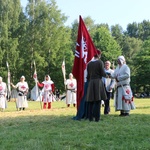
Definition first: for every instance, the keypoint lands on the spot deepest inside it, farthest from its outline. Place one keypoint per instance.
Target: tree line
(39, 34)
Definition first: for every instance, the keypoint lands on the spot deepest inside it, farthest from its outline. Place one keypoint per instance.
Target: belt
(122, 85)
(72, 90)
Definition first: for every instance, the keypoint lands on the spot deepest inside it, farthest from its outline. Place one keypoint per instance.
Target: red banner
(84, 52)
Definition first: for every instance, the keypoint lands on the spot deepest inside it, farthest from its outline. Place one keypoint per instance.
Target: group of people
(99, 83)
(98, 86)
(22, 91)
(48, 89)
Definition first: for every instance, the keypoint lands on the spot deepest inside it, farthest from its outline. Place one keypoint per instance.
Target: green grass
(36, 129)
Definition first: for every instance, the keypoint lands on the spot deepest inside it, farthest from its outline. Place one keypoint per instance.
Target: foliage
(139, 30)
(142, 67)
(106, 43)
(38, 34)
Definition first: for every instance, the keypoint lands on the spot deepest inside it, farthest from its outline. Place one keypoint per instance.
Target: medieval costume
(22, 88)
(47, 91)
(3, 94)
(124, 97)
(109, 84)
(96, 91)
(71, 84)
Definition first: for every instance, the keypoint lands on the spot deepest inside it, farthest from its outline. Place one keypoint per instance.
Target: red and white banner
(84, 52)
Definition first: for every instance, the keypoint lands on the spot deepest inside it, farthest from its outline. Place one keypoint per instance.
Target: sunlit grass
(37, 129)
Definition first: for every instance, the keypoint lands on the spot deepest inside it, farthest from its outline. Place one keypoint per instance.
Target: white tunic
(3, 94)
(22, 100)
(123, 76)
(47, 91)
(71, 91)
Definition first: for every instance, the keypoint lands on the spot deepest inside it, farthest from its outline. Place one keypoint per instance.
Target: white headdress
(122, 59)
(22, 77)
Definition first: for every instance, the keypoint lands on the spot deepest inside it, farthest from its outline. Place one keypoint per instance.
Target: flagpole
(39, 94)
(8, 81)
(64, 71)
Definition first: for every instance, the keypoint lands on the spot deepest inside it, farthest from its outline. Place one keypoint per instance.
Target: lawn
(37, 129)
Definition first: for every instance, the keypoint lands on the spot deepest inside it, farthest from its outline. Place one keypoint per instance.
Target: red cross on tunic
(23, 87)
(47, 86)
(71, 84)
(1, 88)
(128, 91)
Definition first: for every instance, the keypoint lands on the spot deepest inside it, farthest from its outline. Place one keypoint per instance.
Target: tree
(142, 67)
(106, 43)
(47, 41)
(117, 33)
(8, 27)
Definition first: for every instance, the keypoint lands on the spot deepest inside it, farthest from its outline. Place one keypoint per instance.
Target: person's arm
(14, 86)
(40, 84)
(125, 75)
(53, 87)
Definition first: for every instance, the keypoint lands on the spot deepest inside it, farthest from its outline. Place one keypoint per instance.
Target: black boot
(122, 114)
(126, 114)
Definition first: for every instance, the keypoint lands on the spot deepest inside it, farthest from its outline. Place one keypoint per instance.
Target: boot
(122, 114)
(68, 105)
(126, 114)
(44, 106)
(49, 105)
(74, 105)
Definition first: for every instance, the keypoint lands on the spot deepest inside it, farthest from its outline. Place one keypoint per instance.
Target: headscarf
(49, 78)
(70, 74)
(22, 77)
(122, 59)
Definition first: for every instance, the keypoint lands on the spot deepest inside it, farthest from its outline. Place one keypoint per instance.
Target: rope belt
(122, 85)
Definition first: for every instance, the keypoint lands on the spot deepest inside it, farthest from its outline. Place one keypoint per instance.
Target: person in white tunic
(48, 89)
(23, 88)
(124, 97)
(71, 85)
(3, 94)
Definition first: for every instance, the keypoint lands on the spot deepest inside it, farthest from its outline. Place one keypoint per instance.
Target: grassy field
(36, 129)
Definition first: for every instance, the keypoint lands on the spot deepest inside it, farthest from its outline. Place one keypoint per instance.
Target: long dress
(3, 93)
(48, 88)
(22, 97)
(123, 87)
(71, 91)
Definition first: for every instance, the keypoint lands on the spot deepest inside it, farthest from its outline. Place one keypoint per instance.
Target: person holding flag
(48, 89)
(3, 94)
(84, 52)
(96, 91)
